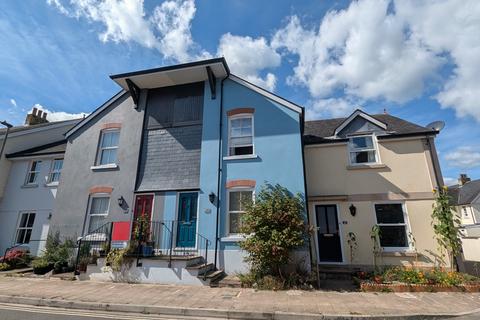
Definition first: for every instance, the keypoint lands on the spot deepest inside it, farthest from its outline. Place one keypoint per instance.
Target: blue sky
(418, 60)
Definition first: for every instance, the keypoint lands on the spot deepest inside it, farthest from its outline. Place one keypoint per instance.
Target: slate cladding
(170, 156)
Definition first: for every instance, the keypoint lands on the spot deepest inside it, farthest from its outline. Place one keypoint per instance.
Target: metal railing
(96, 243)
(167, 238)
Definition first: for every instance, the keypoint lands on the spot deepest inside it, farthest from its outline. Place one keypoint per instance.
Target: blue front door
(187, 220)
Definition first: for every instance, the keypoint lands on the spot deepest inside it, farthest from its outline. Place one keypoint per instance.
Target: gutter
(435, 162)
(219, 173)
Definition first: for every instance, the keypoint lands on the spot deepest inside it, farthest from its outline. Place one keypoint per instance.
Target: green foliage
(352, 243)
(58, 253)
(407, 275)
(4, 266)
(141, 231)
(375, 237)
(445, 224)
(275, 225)
(41, 265)
(116, 258)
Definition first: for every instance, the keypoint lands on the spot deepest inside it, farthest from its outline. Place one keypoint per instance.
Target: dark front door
(187, 220)
(329, 246)
(143, 208)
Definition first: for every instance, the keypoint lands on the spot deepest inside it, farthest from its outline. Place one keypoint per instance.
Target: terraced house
(183, 146)
(176, 152)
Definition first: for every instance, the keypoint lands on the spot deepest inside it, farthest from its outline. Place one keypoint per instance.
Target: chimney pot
(44, 116)
(34, 111)
(39, 114)
(463, 179)
(36, 117)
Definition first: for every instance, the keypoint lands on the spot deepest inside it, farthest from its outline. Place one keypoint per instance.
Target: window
(108, 147)
(55, 171)
(98, 212)
(393, 226)
(33, 172)
(25, 227)
(236, 208)
(362, 150)
(241, 135)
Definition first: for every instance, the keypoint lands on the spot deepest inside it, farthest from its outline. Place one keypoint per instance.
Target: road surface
(24, 312)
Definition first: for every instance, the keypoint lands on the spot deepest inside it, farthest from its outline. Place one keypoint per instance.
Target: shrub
(59, 254)
(275, 225)
(17, 257)
(41, 266)
(4, 266)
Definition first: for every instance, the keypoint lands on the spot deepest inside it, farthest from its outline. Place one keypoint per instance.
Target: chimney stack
(463, 179)
(36, 117)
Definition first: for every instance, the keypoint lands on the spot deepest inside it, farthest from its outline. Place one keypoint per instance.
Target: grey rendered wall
(78, 177)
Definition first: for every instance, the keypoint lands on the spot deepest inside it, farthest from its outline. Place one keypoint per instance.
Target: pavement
(233, 303)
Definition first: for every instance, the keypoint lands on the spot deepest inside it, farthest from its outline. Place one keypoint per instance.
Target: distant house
(465, 196)
(371, 170)
(30, 170)
(183, 146)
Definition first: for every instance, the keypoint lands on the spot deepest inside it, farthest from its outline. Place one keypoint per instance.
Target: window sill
(112, 166)
(248, 156)
(234, 238)
(366, 166)
(27, 186)
(399, 253)
(51, 184)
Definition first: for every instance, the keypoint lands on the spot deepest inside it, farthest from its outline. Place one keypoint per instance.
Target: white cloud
(247, 57)
(379, 49)
(332, 107)
(13, 102)
(449, 181)
(167, 29)
(53, 116)
(173, 21)
(465, 157)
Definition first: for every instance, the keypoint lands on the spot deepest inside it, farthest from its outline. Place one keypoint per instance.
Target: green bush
(275, 225)
(41, 266)
(59, 254)
(4, 266)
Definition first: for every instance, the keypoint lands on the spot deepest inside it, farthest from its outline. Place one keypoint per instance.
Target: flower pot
(147, 251)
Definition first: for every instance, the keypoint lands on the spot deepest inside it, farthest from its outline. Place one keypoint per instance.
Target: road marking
(90, 313)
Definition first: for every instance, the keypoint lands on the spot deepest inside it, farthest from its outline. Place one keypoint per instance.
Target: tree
(275, 225)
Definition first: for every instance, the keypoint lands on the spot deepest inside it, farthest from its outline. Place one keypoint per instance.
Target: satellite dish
(436, 125)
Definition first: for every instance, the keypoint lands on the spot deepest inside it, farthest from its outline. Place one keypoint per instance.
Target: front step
(332, 272)
(230, 281)
(201, 268)
(213, 276)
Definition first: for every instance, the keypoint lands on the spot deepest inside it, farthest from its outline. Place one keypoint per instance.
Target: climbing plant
(375, 237)
(352, 243)
(445, 224)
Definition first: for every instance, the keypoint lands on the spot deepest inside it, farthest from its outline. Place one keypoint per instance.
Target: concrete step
(213, 276)
(200, 268)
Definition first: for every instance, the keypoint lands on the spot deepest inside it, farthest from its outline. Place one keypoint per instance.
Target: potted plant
(142, 236)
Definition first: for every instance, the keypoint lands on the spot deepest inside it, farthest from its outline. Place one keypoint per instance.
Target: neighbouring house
(371, 170)
(30, 169)
(465, 197)
(182, 146)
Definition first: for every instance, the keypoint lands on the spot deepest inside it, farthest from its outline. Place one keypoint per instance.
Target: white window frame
(406, 224)
(53, 171)
(26, 227)
(37, 171)
(90, 202)
(240, 116)
(374, 148)
(236, 189)
(100, 149)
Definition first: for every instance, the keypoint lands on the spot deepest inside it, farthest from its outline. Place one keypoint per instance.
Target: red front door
(143, 208)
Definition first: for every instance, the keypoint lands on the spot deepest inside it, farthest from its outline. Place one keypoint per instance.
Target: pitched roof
(461, 195)
(319, 130)
(57, 147)
(25, 128)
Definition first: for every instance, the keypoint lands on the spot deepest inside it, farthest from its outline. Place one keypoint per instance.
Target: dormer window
(363, 150)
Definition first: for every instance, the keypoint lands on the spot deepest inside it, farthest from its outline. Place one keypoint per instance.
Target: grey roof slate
(462, 195)
(316, 131)
(35, 126)
(47, 149)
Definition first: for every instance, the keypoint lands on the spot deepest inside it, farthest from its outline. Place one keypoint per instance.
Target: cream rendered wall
(405, 177)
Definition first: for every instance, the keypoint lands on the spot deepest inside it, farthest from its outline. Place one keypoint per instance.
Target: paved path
(245, 300)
